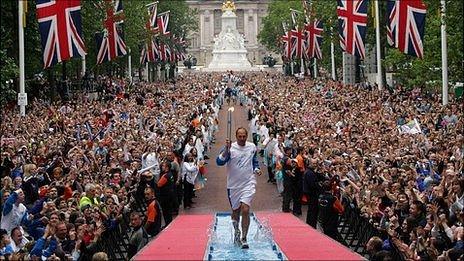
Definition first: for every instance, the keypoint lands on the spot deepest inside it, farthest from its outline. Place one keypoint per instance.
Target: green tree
(278, 12)
(9, 71)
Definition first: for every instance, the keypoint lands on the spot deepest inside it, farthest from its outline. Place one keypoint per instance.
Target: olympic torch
(229, 123)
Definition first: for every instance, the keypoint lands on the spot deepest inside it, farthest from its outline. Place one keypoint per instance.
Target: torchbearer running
(242, 165)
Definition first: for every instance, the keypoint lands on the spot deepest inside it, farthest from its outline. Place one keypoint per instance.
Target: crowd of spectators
(394, 154)
(72, 171)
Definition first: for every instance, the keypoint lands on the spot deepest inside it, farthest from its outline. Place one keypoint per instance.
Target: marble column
(208, 29)
(246, 28)
(202, 25)
(254, 26)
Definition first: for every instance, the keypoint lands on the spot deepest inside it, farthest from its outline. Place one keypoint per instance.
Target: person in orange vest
(153, 223)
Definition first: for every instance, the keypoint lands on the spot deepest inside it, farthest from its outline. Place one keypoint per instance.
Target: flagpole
(83, 66)
(444, 55)
(130, 65)
(377, 40)
(315, 67)
(148, 73)
(22, 96)
(332, 54)
(302, 66)
(344, 67)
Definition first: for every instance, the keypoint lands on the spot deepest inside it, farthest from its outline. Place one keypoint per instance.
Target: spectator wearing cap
(147, 179)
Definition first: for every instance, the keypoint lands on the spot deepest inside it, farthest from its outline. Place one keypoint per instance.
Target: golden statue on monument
(228, 5)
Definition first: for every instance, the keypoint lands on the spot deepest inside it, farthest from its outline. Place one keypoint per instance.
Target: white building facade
(249, 22)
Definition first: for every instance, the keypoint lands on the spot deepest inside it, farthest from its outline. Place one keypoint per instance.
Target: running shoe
(244, 244)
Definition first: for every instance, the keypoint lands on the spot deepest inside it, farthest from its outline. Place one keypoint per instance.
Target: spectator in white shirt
(13, 211)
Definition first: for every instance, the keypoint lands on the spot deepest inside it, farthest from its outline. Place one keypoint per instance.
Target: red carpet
(186, 238)
(298, 241)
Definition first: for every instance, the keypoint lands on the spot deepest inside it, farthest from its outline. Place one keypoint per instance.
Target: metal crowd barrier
(115, 242)
(356, 231)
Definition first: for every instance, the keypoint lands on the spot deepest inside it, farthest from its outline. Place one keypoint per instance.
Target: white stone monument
(229, 52)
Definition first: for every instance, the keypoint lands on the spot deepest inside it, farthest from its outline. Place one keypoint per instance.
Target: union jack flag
(181, 55)
(180, 45)
(162, 23)
(352, 26)
(150, 52)
(180, 41)
(298, 36)
(152, 12)
(165, 52)
(405, 26)
(153, 53)
(60, 30)
(288, 45)
(174, 55)
(143, 55)
(314, 37)
(110, 43)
